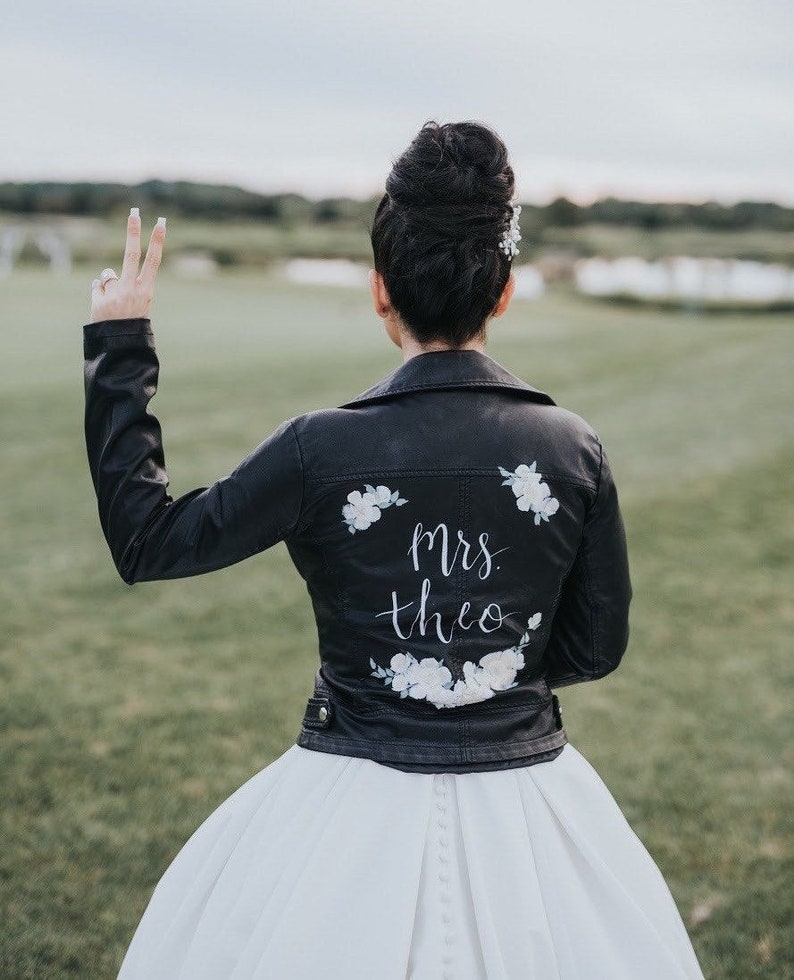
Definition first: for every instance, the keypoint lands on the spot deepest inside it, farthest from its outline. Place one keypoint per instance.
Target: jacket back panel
(436, 532)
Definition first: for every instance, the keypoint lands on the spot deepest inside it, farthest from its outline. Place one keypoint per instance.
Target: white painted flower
(430, 680)
(363, 509)
(530, 491)
(360, 511)
(531, 495)
(401, 683)
(400, 662)
(381, 496)
(445, 697)
(500, 668)
(545, 508)
(526, 480)
(476, 676)
(474, 687)
(426, 676)
(400, 665)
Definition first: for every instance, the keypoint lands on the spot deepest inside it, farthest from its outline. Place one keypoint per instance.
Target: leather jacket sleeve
(590, 631)
(150, 534)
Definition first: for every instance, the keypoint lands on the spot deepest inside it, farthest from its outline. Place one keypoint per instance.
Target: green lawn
(130, 713)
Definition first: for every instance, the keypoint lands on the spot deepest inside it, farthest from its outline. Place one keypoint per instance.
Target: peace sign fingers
(130, 294)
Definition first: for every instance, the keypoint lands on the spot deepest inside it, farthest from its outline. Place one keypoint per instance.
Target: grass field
(129, 713)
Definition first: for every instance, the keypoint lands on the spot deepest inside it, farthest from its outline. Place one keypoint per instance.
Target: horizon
(362, 197)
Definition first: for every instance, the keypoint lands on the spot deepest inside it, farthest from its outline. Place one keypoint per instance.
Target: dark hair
(436, 230)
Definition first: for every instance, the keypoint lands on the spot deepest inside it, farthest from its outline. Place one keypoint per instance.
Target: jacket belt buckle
(318, 712)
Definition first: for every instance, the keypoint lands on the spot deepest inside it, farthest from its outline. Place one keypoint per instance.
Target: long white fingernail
(134, 213)
(161, 222)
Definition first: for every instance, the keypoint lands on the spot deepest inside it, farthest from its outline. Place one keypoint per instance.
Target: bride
(463, 548)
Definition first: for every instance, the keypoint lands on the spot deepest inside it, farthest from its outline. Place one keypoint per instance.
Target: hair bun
(436, 234)
(462, 164)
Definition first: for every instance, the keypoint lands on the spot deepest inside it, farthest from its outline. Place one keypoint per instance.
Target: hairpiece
(507, 243)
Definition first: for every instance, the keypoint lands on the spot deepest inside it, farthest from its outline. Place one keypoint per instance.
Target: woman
(462, 544)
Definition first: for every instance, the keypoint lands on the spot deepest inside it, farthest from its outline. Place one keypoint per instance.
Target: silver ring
(107, 275)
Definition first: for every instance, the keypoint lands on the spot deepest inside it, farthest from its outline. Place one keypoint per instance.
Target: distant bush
(225, 202)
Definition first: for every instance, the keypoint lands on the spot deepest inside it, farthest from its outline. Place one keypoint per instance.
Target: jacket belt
(473, 738)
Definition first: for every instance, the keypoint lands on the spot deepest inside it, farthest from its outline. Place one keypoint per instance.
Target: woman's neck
(411, 347)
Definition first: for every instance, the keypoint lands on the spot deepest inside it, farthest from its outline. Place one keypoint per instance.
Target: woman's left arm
(152, 536)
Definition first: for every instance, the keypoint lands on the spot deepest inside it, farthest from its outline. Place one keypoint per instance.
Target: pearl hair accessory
(507, 243)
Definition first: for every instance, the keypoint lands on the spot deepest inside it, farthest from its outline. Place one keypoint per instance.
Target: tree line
(228, 202)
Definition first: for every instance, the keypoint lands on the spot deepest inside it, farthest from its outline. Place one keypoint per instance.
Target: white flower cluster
(508, 241)
(428, 679)
(531, 493)
(363, 509)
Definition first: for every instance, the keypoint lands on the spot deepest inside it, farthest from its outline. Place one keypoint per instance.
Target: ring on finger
(106, 276)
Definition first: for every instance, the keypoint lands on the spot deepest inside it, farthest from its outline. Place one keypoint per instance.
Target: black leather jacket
(459, 535)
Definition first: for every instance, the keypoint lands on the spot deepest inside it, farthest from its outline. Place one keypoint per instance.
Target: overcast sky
(666, 100)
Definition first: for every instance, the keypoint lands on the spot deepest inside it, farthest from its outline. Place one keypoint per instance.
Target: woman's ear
(383, 308)
(380, 297)
(507, 294)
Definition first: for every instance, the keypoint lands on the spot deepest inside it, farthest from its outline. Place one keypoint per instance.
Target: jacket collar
(440, 369)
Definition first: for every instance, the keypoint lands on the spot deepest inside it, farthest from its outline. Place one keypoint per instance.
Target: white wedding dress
(329, 867)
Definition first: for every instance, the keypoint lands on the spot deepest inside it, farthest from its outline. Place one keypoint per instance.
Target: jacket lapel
(437, 370)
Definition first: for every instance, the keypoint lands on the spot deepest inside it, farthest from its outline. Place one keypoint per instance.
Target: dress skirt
(329, 867)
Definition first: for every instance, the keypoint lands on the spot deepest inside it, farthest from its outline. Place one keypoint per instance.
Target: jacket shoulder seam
(461, 471)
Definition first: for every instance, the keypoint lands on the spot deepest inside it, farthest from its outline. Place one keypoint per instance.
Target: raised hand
(118, 298)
